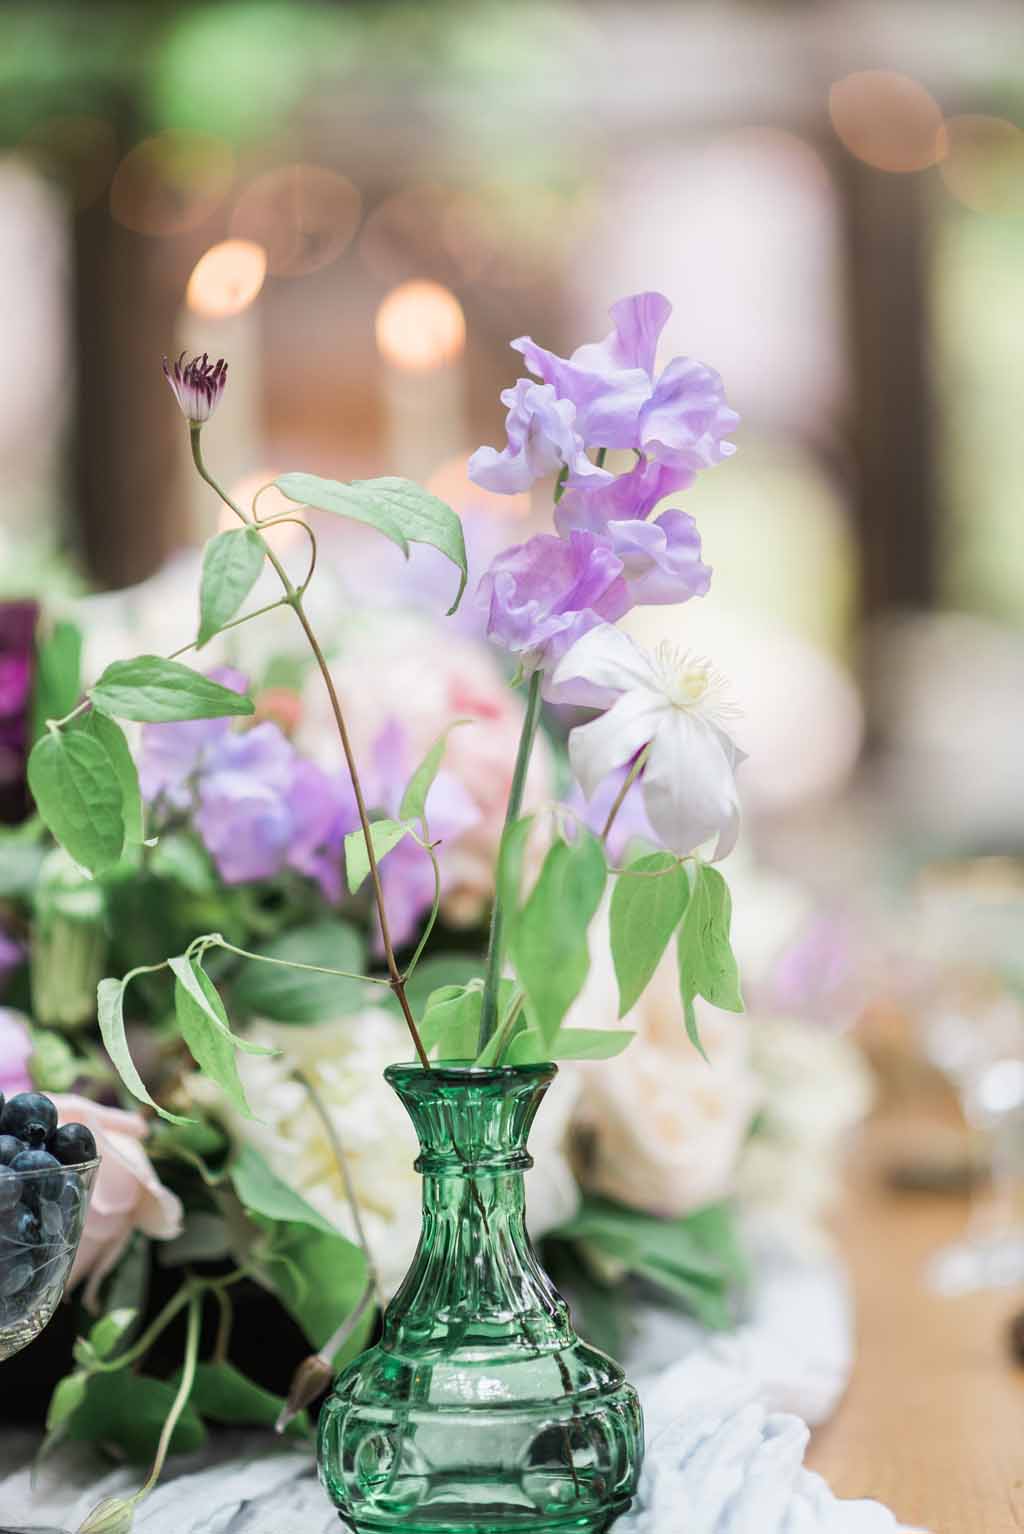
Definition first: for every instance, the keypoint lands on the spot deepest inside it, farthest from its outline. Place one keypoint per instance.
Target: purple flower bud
(197, 385)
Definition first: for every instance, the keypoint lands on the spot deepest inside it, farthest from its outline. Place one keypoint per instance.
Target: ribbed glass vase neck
(471, 1122)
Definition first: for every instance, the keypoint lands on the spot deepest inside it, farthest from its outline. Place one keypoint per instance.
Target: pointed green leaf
(527, 1048)
(129, 1411)
(590, 1043)
(707, 965)
(110, 1330)
(209, 1046)
(58, 674)
(155, 690)
(647, 905)
(110, 1012)
(205, 997)
(385, 834)
(414, 799)
(451, 1021)
(232, 562)
(66, 1399)
(509, 878)
(222, 1393)
(398, 508)
(262, 1192)
(79, 797)
(549, 939)
(122, 764)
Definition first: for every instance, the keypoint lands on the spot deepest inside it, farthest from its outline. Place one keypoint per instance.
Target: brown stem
(294, 600)
(631, 777)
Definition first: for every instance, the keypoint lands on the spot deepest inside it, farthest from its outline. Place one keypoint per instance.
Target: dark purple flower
(543, 595)
(678, 419)
(542, 438)
(17, 652)
(172, 754)
(197, 385)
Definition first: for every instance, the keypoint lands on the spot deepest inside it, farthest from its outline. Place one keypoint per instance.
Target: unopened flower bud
(111, 1516)
(197, 385)
(309, 1381)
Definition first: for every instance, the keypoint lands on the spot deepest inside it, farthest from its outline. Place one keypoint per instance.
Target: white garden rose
(345, 1061)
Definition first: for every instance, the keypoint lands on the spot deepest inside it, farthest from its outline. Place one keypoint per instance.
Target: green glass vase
(479, 1409)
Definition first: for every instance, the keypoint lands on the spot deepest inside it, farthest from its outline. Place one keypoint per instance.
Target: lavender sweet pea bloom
(173, 753)
(541, 439)
(543, 595)
(678, 419)
(243, 815)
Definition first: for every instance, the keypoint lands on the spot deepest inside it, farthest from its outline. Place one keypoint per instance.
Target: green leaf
(303, 996)
(385, 834)
(232, 562)
(509, 876)
(66, 1399)
(210, 1047)
(589, 1043)
(707, 965)
(205, 998)
(451, 1021)
(108, 1332)
(221, 1393)
(527, 1048)
(110, 1012)
(549, 940)
(262, 1192)
(647, 906)
(128, 1412)
(319, 1279)
(78, 796)
(430, 975)
(398, 508)
(58, 674)
(414, 800)
(53, 1064)
(155, 690)
(122, 764)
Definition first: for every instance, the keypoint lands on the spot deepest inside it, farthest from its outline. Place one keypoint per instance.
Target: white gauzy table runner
(727, 1427)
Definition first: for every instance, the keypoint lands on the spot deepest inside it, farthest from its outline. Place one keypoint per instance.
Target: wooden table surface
(933, 1422)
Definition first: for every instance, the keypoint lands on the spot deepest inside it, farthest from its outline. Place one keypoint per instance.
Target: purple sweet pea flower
(406, 872)
(243, 815)
(541, 439)
(629, 497)
(543, 595)
(323, 811)
(679, 419)
(660, 560)
(631, 822)
(173, 753)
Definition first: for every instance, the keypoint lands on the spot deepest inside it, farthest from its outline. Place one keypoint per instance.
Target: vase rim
(465, 1073)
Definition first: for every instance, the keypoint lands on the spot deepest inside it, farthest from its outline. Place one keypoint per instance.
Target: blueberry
(29, 1116)
(19, 1231)
(15, 1277)
(72, 1144)
(32, 1166)
(10, 1188)
(9, 1148)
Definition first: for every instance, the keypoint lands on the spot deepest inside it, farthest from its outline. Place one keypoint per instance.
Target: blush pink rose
(127, 1194)
(15, 1051)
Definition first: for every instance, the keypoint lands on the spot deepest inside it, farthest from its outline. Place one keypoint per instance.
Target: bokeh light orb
(226, 279)
(887, 120)
(304, 216)
(420, 326)
(171, 183)
(983, 163)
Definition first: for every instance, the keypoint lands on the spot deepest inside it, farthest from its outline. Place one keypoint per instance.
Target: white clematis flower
(675, 704)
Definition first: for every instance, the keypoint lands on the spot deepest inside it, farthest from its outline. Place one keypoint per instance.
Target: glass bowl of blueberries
(46, 1178)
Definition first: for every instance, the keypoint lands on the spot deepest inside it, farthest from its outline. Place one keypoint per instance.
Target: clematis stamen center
(691, 683)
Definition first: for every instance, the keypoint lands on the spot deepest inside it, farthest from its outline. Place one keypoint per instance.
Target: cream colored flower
(663, 1129)
(345, 1060)
(127, 1194)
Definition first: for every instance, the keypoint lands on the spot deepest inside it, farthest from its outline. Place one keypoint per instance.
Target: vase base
(594, 1522)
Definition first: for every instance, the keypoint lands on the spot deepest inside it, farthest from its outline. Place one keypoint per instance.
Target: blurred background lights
(303, 215)
(886, 119)
(420, 326)
(983, 165)
(227, 278)
(171, 183)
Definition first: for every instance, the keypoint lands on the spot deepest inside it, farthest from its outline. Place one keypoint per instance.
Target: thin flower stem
(294, 600)
(317, 969)
(435, 910)
(334, 1139)
(235, 623)
(188, 1377)
(620, 798)
(489, 1007)
(227, 1316)
(177, 1302)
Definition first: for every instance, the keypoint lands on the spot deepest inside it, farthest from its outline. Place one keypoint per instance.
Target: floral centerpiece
(214, 835)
